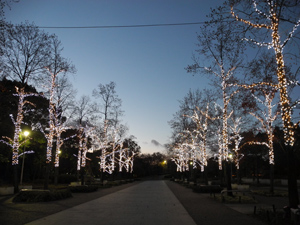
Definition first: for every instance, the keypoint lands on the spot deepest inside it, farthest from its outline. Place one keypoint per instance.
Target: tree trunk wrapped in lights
(271, 19)
(267, 122)
(237, 138)
(181, 157)
(199, 137)
(15, 143)
(112, 152)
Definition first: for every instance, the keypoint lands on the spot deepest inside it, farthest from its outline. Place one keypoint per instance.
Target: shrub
(235, 199)
(42, 195)
(268, 194)
(83, 188)
(272, 217)
(66, 178)
(207, 189)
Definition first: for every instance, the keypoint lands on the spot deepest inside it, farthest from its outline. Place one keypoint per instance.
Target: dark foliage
(207, 189)
(66, 178)
(42, 195)
(9, 106)
(149, 165)
(83, 188)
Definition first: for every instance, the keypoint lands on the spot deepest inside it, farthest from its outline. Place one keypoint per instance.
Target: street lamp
(26, 133)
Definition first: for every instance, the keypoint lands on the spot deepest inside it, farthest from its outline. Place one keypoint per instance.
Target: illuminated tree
(198, 136)
(113, 147)
(190, 101)
(57, 65)
(83, 113)
(110, 143)
(223, 48)
(267, 126)
(181, 157)
(15, 143)
(273, 16)
(130, 149)
(190, 130)
(236, 138)
(62, 94)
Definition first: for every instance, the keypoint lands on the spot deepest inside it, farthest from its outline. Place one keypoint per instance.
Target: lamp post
(26, 133)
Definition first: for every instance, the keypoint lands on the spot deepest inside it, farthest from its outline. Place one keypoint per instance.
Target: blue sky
(146, 63)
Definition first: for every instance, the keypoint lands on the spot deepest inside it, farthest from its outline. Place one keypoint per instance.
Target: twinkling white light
(181, 157)
(277, 45)
(267, 121)
(226, 97)
(236, 138)
(112, 153)
(15, 143)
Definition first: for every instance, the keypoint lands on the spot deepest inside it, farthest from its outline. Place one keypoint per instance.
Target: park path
(147, 203)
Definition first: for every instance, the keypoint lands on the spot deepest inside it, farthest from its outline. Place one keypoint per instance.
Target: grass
(207, 189)
(83, 188)
(268, 194)
(234, 199)
(272, 217)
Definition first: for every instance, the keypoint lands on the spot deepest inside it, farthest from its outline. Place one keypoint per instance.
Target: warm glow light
(26, 133)
(193, 144)
(110, 144)
(236, 138)
(15, 144)
(286, 108)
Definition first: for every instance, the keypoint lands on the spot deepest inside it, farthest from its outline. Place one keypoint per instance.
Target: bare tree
(26, 51)
(83, 110)
(110, 102)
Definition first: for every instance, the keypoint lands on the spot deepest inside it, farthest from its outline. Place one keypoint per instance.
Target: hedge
(42, 195)
(207, 189)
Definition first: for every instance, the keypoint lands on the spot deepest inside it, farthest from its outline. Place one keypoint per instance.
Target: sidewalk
(150, 202)
(206, 211)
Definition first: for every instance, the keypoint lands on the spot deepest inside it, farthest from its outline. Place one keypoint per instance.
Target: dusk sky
(147, 63)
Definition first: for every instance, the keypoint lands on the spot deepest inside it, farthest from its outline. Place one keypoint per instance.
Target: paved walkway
(150, 202)
(147, 203)
(206, 211)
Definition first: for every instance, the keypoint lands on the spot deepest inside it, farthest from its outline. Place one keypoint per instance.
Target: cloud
(156, 143)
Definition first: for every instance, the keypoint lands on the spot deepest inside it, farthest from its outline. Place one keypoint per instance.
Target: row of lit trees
(33, 57)
(222, 41)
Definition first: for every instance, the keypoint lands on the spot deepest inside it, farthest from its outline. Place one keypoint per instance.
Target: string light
(59, 129)
(220, 153)
(51, 129)
(286, 109)
(223, 142)
(110, 144)
(237, 138)
(192, 145)
(188, 149)
(181, 157)
(15, 143)
(267, 122)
